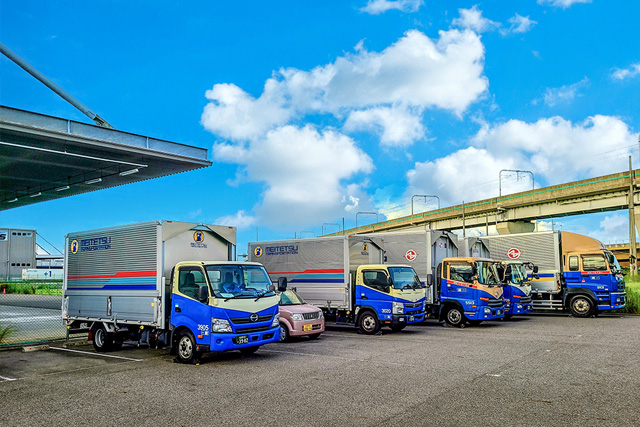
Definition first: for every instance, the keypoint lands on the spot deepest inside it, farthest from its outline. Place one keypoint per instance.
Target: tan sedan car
(297, 318)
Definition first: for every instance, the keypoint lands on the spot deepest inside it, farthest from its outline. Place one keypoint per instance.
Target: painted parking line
(97, 354)
(7, 378)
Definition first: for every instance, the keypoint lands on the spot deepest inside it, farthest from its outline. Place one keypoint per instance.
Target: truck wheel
(102, 340)
(454, 317)
(249, 350)
(397, 328)
(581, 306)
(284, 333)
(368, 323)
(186, 347)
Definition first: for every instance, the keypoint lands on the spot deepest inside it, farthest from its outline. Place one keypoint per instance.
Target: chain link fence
(30, 312)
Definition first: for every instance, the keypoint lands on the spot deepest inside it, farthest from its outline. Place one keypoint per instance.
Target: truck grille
(240, 320)
(249, 330)
(494, 302)
(525, 300)
(311, 316)
(409, 305)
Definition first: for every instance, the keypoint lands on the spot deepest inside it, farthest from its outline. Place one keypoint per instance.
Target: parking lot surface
(538, 370)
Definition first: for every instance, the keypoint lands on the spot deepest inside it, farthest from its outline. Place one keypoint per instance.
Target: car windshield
(613, 262)
(518, 274)
(238, 281)
(487, 273)
(404, 278)
(289, 297)
(594, 263)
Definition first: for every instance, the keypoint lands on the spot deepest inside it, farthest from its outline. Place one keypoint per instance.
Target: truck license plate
(242, 339)
(308, 327)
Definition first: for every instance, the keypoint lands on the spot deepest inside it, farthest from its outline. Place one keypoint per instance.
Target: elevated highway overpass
(515, 212)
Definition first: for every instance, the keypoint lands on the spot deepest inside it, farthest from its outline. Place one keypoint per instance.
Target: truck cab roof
(469, 259)
(218, 263)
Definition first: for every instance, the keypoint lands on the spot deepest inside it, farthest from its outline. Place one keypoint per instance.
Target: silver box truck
(167, 283)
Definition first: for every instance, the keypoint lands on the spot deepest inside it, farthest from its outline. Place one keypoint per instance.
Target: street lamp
(517, 171)
(366, 213)
(425, 200)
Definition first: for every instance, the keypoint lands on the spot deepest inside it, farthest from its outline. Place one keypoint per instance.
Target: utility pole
(633, 265)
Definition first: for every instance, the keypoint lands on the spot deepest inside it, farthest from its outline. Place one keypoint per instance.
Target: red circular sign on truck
(514, 253)
(411, 255)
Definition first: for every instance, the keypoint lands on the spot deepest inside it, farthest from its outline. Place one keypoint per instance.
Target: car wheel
(284, 333)
(246, 351)
(314, 336)
(454, 317)
(581, 306)
(102, 340)
(397, 328)
(368, 323)
(186, 347)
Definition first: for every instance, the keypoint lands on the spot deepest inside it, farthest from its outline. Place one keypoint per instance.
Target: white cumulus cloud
(564, 94)
(303, 171)
(241, 220)
(473, 20)
(396, 126)
(626, 73)
(519, 24)
(376, 7)
(564, 4)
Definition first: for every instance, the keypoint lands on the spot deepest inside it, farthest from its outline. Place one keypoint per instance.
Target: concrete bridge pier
(512, 227)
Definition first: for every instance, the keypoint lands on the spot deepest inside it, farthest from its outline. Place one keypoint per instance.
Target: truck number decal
(386, 310)
(204, 329)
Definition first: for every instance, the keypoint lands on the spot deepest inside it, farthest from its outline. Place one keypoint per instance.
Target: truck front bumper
(227, 342)
(485, 313)
(618, 300)
(407, 319)
(518, 308)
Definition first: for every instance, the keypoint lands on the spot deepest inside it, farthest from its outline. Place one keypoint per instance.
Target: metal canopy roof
(44, 158)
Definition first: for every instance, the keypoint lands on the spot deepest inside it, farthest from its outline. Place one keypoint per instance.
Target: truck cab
(470, 290)
(594, 282)
(220, 306)
(387, 295)
(517, 287)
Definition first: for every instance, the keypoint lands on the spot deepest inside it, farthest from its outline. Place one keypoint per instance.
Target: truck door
(595, 273)
(186, 308)
(373, 291)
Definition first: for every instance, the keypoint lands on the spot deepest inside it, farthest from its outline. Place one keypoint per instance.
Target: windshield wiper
(264, 295)
(231, 297)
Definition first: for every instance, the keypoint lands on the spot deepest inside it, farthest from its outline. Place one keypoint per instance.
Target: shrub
(5, 332)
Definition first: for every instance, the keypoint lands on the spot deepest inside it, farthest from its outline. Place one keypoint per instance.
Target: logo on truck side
(514, 253)
(411, 255)
(257, 251)
(74, 246)
(198, 237)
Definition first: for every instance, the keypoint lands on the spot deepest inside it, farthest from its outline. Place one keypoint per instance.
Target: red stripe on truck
(147, 273)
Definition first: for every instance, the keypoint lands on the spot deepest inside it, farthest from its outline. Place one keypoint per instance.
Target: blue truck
(576, 273)
(345, 276)
(460, 290)
(167, 284)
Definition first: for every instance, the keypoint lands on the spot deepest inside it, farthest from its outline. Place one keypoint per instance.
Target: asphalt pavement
(539, 370)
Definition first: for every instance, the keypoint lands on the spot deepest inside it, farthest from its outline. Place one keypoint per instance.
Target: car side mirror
(203, 294)
(282, 284)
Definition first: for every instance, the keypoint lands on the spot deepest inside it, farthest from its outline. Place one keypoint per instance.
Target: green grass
(6, 331)
(633, 295)
(32, 287)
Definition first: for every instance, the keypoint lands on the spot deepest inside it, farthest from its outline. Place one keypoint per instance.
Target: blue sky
(314, 111)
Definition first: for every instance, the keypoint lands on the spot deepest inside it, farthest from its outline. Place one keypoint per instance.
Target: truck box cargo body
(337, 274)
(576, 273)
(455, 301)
(159, 281)
(515, 280)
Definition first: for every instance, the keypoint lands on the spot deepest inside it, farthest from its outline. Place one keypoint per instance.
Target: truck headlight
(398, 308)
(220, 325)
(519, 306)
(296, 316)
(276, 320)
(487, 310)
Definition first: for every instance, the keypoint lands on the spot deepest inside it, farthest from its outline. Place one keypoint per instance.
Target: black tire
(508, 316)
(247, 351)
(454, 317)
(315, 336)
(397, 328)
(368, 323)
(102, 340)
(581, 306)
(284, 333)
(186, 348)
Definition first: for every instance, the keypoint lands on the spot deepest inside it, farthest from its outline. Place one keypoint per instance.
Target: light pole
(366, 213)
(425, 200)
(517, 171)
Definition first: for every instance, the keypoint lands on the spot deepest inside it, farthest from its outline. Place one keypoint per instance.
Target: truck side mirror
(282, 284)
(535, 269)
(203, 294)
(429, 279)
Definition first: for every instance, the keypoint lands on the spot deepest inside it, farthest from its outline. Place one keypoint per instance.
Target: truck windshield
(593, 263)
(404, 278)
(613, 262)
(289, 297)
(487, 273)
(238, 281)
(518, 274)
